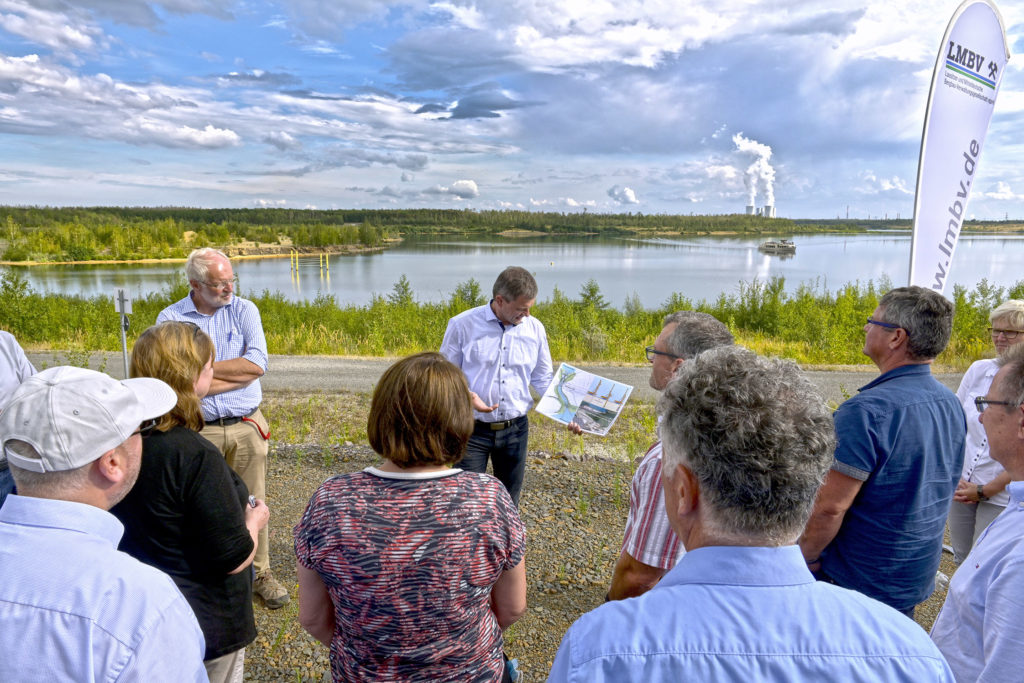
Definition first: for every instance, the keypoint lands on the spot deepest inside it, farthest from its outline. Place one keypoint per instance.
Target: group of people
(138, 535)
(767, 538)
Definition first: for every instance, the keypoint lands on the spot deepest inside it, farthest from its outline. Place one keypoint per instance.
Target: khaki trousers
(246, 453)
(229, 668)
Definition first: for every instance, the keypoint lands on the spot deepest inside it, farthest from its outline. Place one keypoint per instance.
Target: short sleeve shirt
(409, 565)
(903, 436)
(649, 537)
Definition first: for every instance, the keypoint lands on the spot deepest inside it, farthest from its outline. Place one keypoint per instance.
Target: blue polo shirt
(903, 436)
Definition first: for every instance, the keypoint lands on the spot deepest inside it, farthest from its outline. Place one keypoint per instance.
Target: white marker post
(123, 305)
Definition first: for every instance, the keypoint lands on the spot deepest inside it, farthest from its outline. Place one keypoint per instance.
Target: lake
(700, 268)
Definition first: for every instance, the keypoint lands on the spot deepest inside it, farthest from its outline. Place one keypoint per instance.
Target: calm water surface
(700, 268)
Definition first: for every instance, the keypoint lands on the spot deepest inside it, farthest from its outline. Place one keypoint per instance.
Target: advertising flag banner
(965, 83)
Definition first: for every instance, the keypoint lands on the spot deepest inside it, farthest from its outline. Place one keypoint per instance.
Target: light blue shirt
(730, 613)
(237, 332)
(73, 608)
(980, 629)
(500, 361)
(15, 368)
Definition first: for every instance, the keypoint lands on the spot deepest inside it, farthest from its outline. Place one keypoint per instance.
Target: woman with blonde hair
(981, 494)
(410, 570)
(189, 514)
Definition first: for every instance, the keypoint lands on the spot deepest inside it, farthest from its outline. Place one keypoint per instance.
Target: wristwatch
(981, 493)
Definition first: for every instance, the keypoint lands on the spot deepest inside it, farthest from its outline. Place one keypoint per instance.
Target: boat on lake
(778, 247)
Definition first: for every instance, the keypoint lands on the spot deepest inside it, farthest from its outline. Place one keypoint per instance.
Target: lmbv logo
(969, 59)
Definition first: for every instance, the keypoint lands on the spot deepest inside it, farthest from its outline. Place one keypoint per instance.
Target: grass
(813, 326)
(330, 419)
(336, 418)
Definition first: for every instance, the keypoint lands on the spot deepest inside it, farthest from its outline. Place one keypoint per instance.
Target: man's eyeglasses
(888, 326)
(652, 352)
(1009, 334)
(147, 427)
(980, 402)
(221, 284)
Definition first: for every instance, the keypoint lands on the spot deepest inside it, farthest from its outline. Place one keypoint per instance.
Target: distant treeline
(129, 233)
(809, 325)
(71, 234)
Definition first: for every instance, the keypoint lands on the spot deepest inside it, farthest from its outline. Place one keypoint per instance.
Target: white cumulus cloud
(282, 140)
(170, 135)
(623, 195)
(462, 189)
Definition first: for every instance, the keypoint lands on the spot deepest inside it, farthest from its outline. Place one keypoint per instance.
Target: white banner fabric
(964, 86)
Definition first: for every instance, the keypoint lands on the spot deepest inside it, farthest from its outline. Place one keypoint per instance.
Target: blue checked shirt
(237, 332)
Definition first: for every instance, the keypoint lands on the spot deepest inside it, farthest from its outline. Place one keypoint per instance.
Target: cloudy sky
(633, 105)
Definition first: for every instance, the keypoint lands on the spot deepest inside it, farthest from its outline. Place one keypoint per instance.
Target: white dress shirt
(979, 630)
(501, 361)
(979, 467)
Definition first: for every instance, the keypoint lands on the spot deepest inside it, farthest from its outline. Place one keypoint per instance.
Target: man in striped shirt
(650, 547)
(231, 409)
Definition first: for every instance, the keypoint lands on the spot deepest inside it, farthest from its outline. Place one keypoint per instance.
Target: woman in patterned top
(410, 570)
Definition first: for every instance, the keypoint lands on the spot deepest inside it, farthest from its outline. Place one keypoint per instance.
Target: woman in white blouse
(981, 494)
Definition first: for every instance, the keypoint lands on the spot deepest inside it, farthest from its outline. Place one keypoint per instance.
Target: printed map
(591, 401)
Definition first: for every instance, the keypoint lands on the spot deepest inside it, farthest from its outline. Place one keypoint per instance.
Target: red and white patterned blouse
(409, 561)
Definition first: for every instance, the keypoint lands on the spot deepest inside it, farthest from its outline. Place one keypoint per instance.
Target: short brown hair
(175, 352)
(513, 283)
(421, 412)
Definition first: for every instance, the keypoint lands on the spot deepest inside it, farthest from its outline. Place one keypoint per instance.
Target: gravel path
(309, 374)
(574, 511)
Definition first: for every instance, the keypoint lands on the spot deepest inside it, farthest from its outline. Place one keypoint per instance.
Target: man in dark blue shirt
(878, 521)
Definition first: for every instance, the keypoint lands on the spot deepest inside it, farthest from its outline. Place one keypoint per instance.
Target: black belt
(228, 421)
(498, 426)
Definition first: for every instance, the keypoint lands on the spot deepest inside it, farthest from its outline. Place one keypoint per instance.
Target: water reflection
(653, 268)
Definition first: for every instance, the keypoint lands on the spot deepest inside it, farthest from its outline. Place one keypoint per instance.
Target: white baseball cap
(72, 416)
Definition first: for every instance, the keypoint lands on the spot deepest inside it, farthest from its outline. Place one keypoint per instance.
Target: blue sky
(656, 106)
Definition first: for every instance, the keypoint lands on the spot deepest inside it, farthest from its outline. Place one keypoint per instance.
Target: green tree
(401, 293)
(590, 295)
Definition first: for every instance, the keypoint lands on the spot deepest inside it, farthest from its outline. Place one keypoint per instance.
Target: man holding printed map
(503, 351)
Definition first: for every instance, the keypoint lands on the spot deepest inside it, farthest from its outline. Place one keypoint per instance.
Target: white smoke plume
(760, 174)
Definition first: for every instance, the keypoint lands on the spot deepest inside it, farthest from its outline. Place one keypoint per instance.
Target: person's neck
(201, 305)
(388, 466)
(893, 362)
(96, 499)
(1014, 466)
(702, 538)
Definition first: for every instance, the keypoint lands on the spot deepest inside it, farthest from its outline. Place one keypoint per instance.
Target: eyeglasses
(652, 352)
(980, 402)
(888, 326)
(147, 427)
(1009, 334)
(221, 284)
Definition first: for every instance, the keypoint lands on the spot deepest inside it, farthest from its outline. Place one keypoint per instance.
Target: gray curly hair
(757, 437)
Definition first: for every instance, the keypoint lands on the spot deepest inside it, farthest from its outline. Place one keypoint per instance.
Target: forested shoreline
(76, 234)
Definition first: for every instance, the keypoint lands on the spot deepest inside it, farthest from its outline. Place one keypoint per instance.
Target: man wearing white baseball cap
(73, 607)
